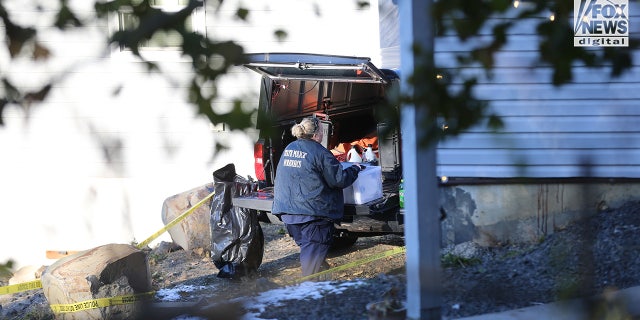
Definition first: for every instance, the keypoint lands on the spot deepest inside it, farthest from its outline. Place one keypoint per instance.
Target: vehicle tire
(342, 241)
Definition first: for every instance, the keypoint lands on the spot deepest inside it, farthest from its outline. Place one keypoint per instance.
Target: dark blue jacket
(309, 181)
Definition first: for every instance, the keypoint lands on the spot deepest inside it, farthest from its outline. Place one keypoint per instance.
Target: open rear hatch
(315, 67)
(332, 72)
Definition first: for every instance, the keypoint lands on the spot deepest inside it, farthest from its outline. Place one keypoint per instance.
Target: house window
(217, 127)
(162, 41)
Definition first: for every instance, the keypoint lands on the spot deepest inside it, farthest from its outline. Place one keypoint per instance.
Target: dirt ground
(280, 266)
(596, 255)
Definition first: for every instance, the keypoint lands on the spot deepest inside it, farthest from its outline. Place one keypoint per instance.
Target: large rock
(195, 230)
(26, 274)
(113, 270)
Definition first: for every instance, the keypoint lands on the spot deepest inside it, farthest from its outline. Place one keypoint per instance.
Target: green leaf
(363, 4)
(280, 35)
(495, 122)
(3, 103)
(242, 13)
(237, 118)
(66, 18)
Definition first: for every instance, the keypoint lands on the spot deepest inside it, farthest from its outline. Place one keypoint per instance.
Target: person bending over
(308, 193)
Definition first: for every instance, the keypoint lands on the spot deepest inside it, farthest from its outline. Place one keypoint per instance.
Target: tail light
(258, 160)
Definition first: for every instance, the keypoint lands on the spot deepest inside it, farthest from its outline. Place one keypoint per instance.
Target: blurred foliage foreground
(458, 109)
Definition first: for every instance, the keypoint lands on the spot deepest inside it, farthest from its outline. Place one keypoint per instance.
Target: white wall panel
(56, 180)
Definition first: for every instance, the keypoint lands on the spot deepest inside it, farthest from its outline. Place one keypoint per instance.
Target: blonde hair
(306, 128)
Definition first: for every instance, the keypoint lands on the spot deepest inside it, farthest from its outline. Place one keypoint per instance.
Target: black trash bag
(237, 241)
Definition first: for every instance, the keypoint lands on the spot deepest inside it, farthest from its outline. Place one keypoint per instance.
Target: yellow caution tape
(353, 264)
(128, 299)
(36, 284)
(105, 302)
(99, 303)
(25, 286)
(174, 221)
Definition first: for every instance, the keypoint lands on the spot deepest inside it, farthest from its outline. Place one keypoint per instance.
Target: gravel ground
(600, 253)
(583, 260)
(586, 259)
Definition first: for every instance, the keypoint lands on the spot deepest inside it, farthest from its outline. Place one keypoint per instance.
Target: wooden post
(422, 223)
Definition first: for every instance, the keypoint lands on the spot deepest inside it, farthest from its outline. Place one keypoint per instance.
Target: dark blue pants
(314, 239)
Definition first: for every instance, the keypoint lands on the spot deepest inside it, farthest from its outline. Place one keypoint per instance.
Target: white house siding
(58, 190)
(550, 132)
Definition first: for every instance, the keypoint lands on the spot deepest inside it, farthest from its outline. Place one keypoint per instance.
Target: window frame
(156, 53)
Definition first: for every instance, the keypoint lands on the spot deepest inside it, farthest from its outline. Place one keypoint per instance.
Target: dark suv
(346, 94)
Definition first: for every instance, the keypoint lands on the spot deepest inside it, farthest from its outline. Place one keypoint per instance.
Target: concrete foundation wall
(516, 213)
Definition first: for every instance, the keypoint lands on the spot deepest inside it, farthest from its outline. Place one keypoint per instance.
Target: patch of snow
(272, 298)
(174, 294)
(306, 290)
